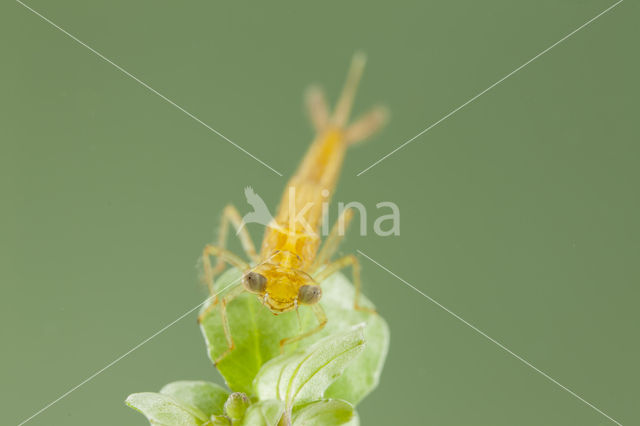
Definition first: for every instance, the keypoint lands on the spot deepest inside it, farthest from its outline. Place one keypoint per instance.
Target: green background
(519, 213)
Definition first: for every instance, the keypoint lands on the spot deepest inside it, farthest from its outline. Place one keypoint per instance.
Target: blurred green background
(519, 213)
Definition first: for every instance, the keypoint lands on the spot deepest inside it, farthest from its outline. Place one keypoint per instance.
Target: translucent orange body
(290, 246)
(291, 257)
(291, 263)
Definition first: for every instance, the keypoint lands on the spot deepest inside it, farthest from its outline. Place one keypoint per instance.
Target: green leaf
(205, 396)
(163, 410)
(304, 376)
(363, 374)
(264, 413)
(328, 412)
(257, 334)
(219, 420)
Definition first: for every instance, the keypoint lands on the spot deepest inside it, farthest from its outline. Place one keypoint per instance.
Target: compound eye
(309, 294)
(254, 282)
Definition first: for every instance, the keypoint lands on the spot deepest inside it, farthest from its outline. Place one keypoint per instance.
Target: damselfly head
(281, 288)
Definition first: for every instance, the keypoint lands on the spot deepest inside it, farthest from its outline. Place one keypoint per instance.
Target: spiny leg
(223, 255)
(317, 108)
(343, 262)
(322, 321)
(230, 214)
(233, 260)
(209, 273)
(336, 235)
(233, 293)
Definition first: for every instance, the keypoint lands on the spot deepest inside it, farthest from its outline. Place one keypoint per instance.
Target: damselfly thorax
(293, 262)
